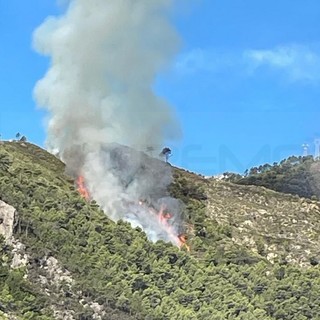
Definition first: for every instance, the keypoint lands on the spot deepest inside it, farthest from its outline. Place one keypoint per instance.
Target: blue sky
(245, 85)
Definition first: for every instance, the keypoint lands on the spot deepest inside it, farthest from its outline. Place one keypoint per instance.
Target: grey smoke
(105, 56)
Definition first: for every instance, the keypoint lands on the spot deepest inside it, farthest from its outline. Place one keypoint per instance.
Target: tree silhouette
(166, 152)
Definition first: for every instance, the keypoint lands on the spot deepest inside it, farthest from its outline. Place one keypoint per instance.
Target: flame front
(82, 188)
(163, 216)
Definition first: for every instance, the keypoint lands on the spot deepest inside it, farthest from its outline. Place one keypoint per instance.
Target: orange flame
(183, 241)
(163, 216)
(82, 188)
(180, 240)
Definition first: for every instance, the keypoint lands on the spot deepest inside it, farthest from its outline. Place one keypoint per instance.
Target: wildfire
(163, 216)
(82, 188)
(183, 241)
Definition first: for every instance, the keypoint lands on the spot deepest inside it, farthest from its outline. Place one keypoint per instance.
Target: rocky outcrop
(20, 258)
(57, 283)
(7, 214)
(7, 220)
(54, 281)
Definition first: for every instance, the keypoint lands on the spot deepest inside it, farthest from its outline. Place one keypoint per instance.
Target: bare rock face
(20, 258)
(7, 214)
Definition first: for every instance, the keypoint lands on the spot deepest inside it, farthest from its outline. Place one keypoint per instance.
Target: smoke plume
(105, 56)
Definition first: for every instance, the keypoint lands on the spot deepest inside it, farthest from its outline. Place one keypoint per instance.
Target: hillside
(295, 175)
(254, 252)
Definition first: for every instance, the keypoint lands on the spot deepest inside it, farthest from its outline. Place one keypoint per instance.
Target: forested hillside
(244, 262)
(295, 175)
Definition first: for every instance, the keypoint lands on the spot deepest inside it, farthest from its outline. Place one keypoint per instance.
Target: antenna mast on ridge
(305, 148)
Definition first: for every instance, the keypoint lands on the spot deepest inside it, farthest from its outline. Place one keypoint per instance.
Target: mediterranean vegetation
(109, 270)
(295, 175)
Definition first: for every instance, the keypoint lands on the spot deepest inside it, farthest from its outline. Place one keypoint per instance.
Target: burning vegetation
(103, 109)
(162, 216)
(82, 188)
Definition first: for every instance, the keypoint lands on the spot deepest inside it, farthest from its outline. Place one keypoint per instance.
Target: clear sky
(245, 85)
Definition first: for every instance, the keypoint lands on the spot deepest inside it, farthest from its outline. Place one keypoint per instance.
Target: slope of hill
(275, 225)
(295, 175)
(67, 260)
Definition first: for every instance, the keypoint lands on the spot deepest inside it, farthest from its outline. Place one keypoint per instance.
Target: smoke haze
(105, 56)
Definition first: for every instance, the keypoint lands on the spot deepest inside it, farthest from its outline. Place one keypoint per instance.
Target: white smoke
(105, 55)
